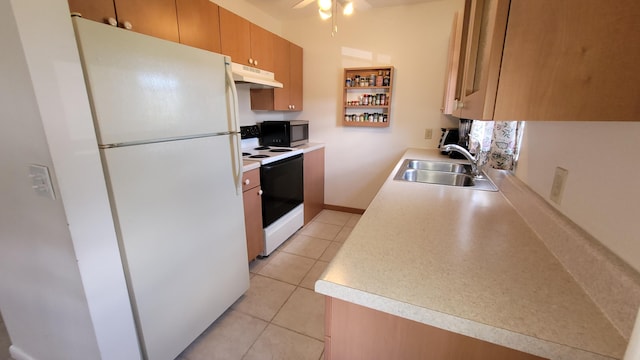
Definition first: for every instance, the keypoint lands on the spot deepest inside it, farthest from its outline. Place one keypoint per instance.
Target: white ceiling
(283, 9)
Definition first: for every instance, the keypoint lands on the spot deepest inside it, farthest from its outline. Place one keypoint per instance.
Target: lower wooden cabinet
(356, 332)
(313, 173)
(252, 198)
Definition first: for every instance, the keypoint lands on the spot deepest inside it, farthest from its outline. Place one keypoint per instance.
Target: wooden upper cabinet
(571, 60)
(96, 10)
(152, 17)
(455, 65)
(246, 43)
(288, 71)
(262, 52)
(283, 75)
(295, 82)
(199, 24)
(485, 39)
(235, 37)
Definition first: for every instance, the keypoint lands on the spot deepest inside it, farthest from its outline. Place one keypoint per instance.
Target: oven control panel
(247, 132)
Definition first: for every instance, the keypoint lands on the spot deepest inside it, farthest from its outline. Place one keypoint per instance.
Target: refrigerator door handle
(234, 124)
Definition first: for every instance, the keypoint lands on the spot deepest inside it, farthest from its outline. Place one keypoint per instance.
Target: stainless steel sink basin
(442, 173)
(438, 166)
(436, 177)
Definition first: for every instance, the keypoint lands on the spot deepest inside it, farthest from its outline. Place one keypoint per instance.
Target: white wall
(63, 294)
(414, 39)
(601, 193)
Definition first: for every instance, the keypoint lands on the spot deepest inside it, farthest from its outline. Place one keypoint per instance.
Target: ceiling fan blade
(302, 4)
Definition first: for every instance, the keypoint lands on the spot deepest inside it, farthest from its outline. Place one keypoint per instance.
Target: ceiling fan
(327, 7)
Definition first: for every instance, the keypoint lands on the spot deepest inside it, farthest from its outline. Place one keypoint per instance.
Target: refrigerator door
(144, 88)
(181, 231)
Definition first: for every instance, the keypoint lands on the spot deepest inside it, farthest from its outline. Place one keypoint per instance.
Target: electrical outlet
(559, 180)
(428, 133)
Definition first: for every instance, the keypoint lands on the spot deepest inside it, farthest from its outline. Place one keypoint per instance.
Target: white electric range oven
(282, 187)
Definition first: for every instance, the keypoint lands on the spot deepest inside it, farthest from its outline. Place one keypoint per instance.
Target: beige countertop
(249, 165)
(465, 261)
(310, 147)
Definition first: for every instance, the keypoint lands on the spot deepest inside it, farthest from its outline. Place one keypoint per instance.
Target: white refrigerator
(166, 121)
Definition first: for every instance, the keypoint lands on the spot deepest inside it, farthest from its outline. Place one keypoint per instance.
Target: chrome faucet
(473, 160)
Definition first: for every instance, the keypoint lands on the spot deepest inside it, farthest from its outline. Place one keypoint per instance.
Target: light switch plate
(41, 181)
(428, 133)
(559, 180)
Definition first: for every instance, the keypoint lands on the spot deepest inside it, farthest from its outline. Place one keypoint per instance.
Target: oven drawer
(250, 179)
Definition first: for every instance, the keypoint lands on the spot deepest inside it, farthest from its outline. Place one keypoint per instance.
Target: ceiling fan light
(324, 15)
(348, 8)
(324, 5)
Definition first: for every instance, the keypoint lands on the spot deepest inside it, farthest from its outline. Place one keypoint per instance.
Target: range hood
(260, 79)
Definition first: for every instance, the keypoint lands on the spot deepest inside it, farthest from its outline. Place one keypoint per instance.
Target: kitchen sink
(442, 173)
(438, 166)
(436, 177)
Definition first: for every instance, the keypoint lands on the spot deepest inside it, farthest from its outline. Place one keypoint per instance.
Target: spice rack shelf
(367, 88)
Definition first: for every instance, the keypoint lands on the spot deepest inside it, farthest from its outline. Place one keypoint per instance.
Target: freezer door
(144, 88)
(181, 229)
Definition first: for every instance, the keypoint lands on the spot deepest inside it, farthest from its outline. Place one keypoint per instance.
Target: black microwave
(286, 133)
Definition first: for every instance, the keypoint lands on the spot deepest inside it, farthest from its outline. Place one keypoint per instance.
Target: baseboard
(343, 209)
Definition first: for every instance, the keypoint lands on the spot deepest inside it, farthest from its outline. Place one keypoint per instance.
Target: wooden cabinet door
(96, 10)
(152, 17)
(295, 82)
(252, 199)
(253, 222)
(288, 71)
(455, 65)
(313, 175)
(356, 332)
(235, 37)
(571, 60)
(262, 48)
(283, 74)
(487, 27)
(199, 24)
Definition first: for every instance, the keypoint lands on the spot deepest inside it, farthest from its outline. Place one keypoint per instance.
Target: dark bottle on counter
(386, 81)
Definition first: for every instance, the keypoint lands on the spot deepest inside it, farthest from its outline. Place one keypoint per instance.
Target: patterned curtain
(496, 143)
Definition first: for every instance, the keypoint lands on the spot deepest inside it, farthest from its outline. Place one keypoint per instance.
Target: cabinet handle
(127, 25)
(293, 107)
(247, 182)
(255, 62)
(112, 21)
(251, 61)
(260, 192)
(458, 104)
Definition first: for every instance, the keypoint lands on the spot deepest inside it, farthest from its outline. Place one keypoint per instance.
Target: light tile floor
(280, 316)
